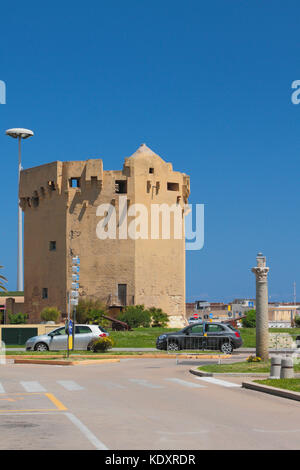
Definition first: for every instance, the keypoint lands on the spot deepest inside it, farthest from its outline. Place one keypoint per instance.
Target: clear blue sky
(206, 84)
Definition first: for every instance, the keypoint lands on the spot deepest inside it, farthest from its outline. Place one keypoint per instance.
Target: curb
(228, 374)
(280, 392)
(123, 356)
(64, 363)
(200, 373)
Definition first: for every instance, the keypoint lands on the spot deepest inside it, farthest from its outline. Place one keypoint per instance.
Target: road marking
(56, 402)
(1, 389)
(32, 386)
(70, 385)
(87, 433)
(145, 383)
(223, 383)
(276, 431)
(112, 385)
(185, 383)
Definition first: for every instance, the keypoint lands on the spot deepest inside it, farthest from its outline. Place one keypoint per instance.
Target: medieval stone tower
(61, 203)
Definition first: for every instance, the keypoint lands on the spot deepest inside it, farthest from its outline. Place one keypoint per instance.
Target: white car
(57, 339)
(194, 320)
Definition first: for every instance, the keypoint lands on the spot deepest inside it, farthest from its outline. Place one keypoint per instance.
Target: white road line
(185, 383)
(223, 383)
(111, 385)
(33, 387)
(70, 385)
(87, 433)
(145, 383)
(1, 388)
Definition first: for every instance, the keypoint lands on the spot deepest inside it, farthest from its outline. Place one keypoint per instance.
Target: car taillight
(102, 335)
(237, 334)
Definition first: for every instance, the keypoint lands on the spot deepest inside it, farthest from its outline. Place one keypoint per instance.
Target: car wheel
(226, 348)
(41, 347)
(173, 346)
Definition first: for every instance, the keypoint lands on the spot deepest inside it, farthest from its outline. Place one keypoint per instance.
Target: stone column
(262, 320)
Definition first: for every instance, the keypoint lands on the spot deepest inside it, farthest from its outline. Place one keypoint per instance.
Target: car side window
(60, 331)
(214, 328)
(197, 329)
(79, 329)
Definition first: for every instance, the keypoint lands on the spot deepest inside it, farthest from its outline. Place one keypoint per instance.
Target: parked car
(57, 339)
(202, 335)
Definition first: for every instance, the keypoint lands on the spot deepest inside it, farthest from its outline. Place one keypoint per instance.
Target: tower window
(45, 293)
(51, 185)
(151, 170)
(35, 201)
(173, 186)
(52, 246)
(121, 186)
(74, 182)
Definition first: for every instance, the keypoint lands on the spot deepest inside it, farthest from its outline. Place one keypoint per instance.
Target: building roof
(143, 152)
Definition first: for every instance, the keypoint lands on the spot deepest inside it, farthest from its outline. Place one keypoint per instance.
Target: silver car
(57, 339)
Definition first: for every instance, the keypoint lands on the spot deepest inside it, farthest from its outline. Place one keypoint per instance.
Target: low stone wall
(42, 328)
(281, 341)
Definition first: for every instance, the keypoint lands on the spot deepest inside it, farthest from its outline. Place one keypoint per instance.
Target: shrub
(90, 311)
(102, 344)
(158, 317)
(50, 314)
(250, 320)
(136, 316)
(17, 318)
(297, 321)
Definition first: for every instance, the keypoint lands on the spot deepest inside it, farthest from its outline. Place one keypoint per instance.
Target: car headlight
(162, 336)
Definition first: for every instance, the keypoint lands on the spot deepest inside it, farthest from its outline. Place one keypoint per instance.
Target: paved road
(138, 404)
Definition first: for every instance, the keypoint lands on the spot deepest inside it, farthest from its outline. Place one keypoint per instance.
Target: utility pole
(262, 320)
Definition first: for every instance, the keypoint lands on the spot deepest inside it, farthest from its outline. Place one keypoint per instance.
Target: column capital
(261, 273)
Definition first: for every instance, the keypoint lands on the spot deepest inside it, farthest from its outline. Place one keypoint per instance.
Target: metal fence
(194, 346)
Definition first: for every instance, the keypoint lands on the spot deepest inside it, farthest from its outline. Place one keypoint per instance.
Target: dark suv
(206, 335)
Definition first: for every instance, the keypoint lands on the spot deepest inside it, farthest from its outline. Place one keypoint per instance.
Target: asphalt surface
(138, 404)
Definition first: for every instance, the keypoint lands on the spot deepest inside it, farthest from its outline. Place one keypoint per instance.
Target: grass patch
(237, 367)
(241, 367)
(288, 384)
(139, 337)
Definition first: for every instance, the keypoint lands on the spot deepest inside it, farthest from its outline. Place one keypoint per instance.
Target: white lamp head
(19, 132)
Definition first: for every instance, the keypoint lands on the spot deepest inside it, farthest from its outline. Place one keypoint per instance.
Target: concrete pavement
(134, 404)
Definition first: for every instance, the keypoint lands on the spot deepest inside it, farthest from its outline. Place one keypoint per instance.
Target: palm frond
(2, 278)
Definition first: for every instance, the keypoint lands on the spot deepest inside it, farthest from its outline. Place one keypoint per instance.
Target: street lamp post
(20, 134)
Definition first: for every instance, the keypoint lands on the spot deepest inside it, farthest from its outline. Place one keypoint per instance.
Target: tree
(250, 320)
(50, 314)
(135, 316)
(17, 318)
(2, 280)
(90, 311)
(297, 321)
(158, 317)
